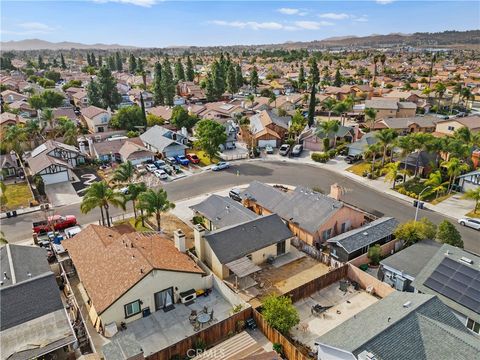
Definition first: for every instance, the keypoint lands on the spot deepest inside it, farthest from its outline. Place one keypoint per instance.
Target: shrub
(374, 254)
(326, 144)
(278, 348)
(280, 313)
(320, 157)
(331, 153)
(197, 220)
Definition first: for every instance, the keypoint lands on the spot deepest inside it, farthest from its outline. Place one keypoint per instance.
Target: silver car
(472, 223)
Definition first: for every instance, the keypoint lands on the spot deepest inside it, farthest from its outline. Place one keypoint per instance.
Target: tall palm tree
(15, 138)
(251, 99)
(371, 114)
(435, 181)
(407, 146)
(134, 191)
(454, 168)
(473, 194)
(273, 98)
(391, 172)
(154, 203)
(457, 90)
(422, 142)
(341, 108)
(48, 118)
(329, 127)
(68, 130)
(329, 104)
(386, 138)
(440, 90)
(100, 195)
(32, 127)
(373, 150)
(124, 173)
(467, 95)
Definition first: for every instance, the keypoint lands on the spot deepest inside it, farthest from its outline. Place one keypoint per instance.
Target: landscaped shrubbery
(320, 157)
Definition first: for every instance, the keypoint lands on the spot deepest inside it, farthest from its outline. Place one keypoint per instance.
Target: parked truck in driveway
(57, 222)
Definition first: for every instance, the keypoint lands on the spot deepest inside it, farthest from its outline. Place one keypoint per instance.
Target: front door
(163, 298)
(281, 248)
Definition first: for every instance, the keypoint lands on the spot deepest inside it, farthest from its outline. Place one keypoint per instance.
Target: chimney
(198, 233)
(179, 239)
(335, 191)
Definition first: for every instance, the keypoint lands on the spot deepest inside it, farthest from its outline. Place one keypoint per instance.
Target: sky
(155, 23)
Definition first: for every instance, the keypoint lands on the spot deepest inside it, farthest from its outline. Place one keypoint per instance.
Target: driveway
(62, 194)
(86, 176)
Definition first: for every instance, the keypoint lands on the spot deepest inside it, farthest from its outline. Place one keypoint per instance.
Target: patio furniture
(319, 309)
(196, 326)
(211, 317)
(205, 310)
(251, 323)
(193, 317)
(203, 318)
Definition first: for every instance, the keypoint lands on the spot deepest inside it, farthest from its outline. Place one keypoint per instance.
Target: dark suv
(350, 159)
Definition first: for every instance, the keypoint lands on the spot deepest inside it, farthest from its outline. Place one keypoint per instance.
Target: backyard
(17, 196)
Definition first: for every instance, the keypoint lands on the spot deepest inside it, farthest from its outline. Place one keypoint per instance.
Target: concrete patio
(345, 305)
(162, 329)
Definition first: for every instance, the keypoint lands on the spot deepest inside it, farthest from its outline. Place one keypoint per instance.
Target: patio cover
(242, 267)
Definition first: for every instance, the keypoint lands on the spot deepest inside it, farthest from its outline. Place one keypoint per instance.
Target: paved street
(19, 229)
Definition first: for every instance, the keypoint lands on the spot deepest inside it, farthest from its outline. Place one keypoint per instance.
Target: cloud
(142, 3)
(30, 28)
(292, 11)
(363, 18)
(334, 16)
(312, 25)
(384, 2)
(250, 25)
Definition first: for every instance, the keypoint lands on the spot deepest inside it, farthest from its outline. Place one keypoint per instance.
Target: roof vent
(466, 260)
(365, 233)
(29, 274)
(5, 277)
(407, 304)
(447, 253)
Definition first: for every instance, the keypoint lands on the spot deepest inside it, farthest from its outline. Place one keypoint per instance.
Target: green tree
(94, 61)
(210, 89)
(279, 313)
(435, 181)
(447, 233)
(314, 78)
(157, 85)
(36, 101)
(34, 131)
(181, 118)
(93, 94)
(154, 202)
(414, 231)
(454, 168)
(254, 79)
(179, 71)
(128, 118)
(53, 75)
(329, 104)
(15, 138)
(132, 64)
(386, 138)
(124, 173)
(474, 194)
(168, 85)
(407, 146)
(40, 63)
(218, 78)
(71, 83)
(371, 115)
(153, 120)
(375, 254)
(68, 130)
(373, 151)
(210, 135)
(232, 87)
(190, 72)
(440, 90)
(239, 76)
(118, 61)
(391, 172)
(134, 191)
(104, 89)
(329, 128)
(338, 79)
(341, 108)
(100, 195)
(62, 61)
(301, 77)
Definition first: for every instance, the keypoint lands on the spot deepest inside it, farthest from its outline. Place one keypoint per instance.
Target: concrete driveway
(62, 194)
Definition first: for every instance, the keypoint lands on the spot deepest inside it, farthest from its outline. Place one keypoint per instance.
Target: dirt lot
(170, 223)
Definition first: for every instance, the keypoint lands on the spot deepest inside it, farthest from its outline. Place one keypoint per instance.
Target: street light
(418, 202)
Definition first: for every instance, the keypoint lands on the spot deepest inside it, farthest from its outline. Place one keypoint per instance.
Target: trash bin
(415, 203)
(420, 205)
(14, 213)
(9, 214)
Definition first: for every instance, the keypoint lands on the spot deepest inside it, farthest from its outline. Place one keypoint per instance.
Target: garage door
(263, 143)
(55, 178)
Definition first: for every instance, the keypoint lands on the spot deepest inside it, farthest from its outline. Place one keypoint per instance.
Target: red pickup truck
(58, 222)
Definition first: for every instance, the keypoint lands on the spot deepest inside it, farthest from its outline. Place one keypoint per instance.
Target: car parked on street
(269, 149)
(161, 174)
(471, 223)
(284, 149)
(182, 160)
(56, 222)
(193, 158)
(350, 159)
(297, 150)
(220, 166)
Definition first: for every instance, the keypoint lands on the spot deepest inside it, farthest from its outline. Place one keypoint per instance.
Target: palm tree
(329, 127)
(457, 90)
(385, 138)
(373, 150)
(134, 191)
(124, 173)
(251, 99)
(391, 172)
(68, 130)
(407, 146)
(48, 118)
(341, 108)
(440, 89)
(32, 127)
(15, 138)
(435, 181)
(154, 202)
(329, 105)
(473, 194)
(371, 115)
(422, 142)
(99, 194)
(467, 95)
(454, 168)
(273, 98)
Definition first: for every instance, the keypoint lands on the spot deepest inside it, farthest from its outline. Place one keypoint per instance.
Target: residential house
(404, 126)
(10, 96)
(221, 211)
(33, 321)
(220, 111)
(163, 141)
(72, 90)
(401, 326)
(80, 98)
(470, 180)
(97, 119)
(391, 108)
(311, 216)
(338, 93)
(67, 112)
(313, 139)
(135, 152)
(9, 119)
(448, 127)
(10, 166)
(267, 128)
(126, 277)
(360, 146)
(289, 102)
(453, 275)
(165, 112)
(24, 109)
(419, 163)
(54, 161)
(121, 150)
(400, 269)
(251, 242)
(351, 244)
(191, 91)
(231, 130)
(147, 97)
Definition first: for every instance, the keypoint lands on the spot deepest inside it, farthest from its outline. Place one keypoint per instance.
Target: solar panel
(458, 282)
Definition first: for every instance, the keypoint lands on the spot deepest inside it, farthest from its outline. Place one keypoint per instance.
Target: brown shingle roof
(92, 111)
(109, 264)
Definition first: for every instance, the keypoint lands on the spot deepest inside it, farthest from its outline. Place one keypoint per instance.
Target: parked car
(151, 167)
(72, 231)
(161, 174)
(284, 149)
(193, 158)
(58, 222)
(182, 160)
(350, 159)
(123, 190)
(472, 223)
(159, 164)
(235, 195)
(297, 150)
(170, 160)
(220, 166)
(269, 149)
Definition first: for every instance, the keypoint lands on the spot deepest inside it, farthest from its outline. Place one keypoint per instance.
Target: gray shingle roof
(424, 330)
(362, 144)
(237, 241)
(23, 260)
(372, 232)
(412, 259)
(304, 206)
(158, 137)
(223, 211)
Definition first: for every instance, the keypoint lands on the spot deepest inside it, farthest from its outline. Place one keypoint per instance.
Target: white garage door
(263, 143)
(55, 178)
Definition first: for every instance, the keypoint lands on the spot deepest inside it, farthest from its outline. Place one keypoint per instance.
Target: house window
(132, 308)
(451, 128)
(474, 326)
(326, 234)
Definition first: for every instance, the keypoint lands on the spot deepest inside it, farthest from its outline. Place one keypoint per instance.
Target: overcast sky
(156, 23)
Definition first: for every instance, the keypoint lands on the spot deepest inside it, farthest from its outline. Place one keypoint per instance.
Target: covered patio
(242, 269)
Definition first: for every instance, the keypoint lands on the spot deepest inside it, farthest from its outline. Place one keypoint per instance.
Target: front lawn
(360, 168)
(17, 195)
(473, 214)
(415, 186)
(131, 221)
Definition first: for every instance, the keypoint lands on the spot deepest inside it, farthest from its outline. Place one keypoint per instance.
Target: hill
(37, 44)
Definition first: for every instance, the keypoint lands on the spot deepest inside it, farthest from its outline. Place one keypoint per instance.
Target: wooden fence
(208, 337)
(290, 351)
(319, 283)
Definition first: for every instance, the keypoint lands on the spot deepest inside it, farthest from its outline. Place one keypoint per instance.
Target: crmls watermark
(212, 353)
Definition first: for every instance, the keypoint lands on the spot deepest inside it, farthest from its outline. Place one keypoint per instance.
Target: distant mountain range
(441, 39)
